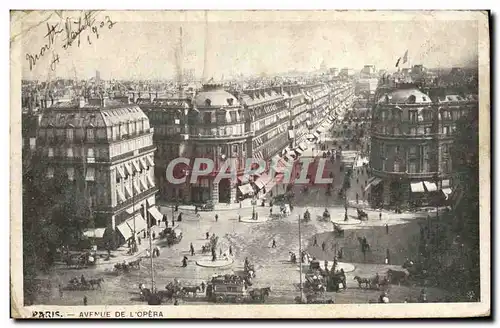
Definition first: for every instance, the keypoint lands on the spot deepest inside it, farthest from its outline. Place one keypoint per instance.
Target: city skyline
(235, 48)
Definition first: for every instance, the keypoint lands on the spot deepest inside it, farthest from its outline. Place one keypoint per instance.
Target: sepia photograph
(219, 164)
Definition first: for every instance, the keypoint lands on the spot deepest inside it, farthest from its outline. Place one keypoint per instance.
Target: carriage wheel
(238, 299)
(219, 299)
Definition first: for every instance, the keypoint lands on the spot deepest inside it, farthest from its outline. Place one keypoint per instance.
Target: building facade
(410, 146)
(105, 150)
(260, 123)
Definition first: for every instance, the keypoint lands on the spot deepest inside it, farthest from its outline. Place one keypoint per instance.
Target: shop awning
(284, 151)
(144, 185)
(298, 151)
(445, 184)
(90, 176)
(94, 233)
(310, 136)
(417, 187)
(316, 135)
(430, 186)
(143, 163)
(129, 169)
(138, 223)
(243, 178)
(376, 182)
(136, 166)
(308, 122)
(291, 134)
(447, 192)
(155, 214)
(137, 189)
(262, 180)
(120, 171)
(369, 183)
(151, 182)
(150, 160)
(128, 192)
(120, 196)
(302, 146)
(246, 189)
(125, 230)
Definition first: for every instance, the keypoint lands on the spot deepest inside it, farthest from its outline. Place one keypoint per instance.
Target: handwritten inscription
(72, 30)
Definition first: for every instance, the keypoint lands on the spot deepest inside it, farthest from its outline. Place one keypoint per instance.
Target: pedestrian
(203, 286)
(84, 300)
(173, 222)
(154, 235)
(380, 216)
(386, 228)
(271, 212)
(207, 235)
(144, 234)
(357, 198)
(196, 209)
(216, 217)
(179, 217)
(388, 257)
(239, 218)
(315, 241)
(230, 250)
(60, 291)
(191, 248)
(274, 243)
(323, 246)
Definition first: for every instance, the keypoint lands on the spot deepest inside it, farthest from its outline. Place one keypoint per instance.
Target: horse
(260, 294)
(96, 282)
(395, 276)
(135, 264)
(191, 289)
(361, 281)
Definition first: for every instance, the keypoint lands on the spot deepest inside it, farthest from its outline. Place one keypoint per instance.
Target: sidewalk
(121, 253)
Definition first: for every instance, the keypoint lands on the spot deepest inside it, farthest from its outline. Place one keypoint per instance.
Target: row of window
(267, 109)
(263, 123)
(221, 117)
(128, 188)
(76, 151)
(133, 168)
(91, 134)
(415, 167)
(445, 130)
(258, 141)
(124, 147)
(221, 131)
(423, 115)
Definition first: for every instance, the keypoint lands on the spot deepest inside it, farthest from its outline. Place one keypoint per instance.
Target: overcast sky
(146, 49)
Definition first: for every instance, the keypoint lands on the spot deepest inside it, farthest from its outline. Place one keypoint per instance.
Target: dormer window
(412, 99)
(208, 102)
(230, 101)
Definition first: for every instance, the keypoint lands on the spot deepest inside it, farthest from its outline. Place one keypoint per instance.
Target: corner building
(104, 149)
(410, 146)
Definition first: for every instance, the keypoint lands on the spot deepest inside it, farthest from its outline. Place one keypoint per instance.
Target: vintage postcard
(250, 164)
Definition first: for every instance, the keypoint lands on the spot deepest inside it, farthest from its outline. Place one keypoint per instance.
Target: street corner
(208, 263)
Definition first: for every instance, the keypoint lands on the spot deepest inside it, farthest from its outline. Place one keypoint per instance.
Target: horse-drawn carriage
(362, 215)
(315, 283)
(208, 206)
(80, 260)
(84, 284)
(339, 232)
(326, 216)
(126, 267)
(173, 235)
(234, 289)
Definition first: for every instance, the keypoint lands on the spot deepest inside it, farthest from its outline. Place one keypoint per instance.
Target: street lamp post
(300, 265)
